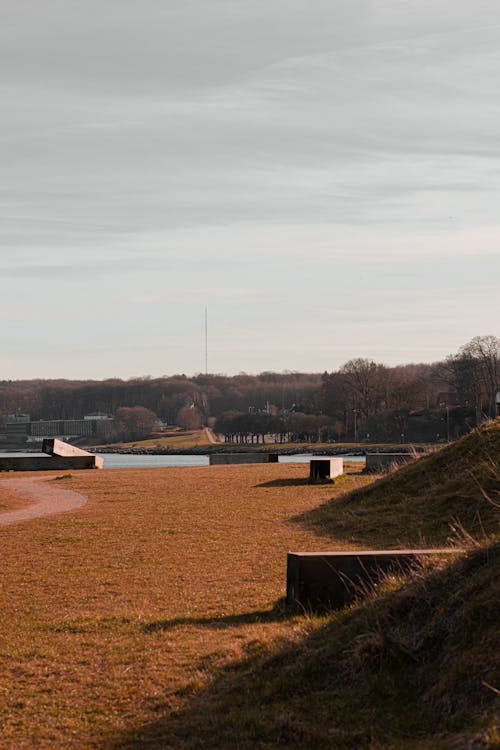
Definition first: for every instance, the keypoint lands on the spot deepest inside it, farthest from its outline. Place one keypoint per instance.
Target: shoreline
(207, 450)
(340, 450)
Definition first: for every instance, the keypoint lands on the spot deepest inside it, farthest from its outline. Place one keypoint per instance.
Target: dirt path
(210, 435)
(47, 496)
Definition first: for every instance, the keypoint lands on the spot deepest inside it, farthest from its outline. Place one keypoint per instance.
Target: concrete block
(379, 462)
(217, 459)
(323, 469)
(328, 580)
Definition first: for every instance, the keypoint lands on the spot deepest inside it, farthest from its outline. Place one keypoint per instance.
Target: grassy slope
(188, 439)
(415, 666)
(408, 669)
(424, 500)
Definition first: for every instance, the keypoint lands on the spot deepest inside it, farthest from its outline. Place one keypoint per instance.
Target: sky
(322, 177)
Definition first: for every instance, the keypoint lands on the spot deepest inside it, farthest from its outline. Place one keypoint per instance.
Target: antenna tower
(206, 341)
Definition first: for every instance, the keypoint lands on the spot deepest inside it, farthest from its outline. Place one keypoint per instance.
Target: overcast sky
(323, 176)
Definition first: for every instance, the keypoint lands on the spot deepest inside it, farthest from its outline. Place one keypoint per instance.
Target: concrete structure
(59, 457)
(20, 429)
(378, 462)
(322, 469)
(61, 428)
(325, 580)
(243, 458)
(17, 432)
(67, 428)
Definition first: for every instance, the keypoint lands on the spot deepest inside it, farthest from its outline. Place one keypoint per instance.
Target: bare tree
(484, 353)
(366, 381)
(135, 422)
(189, 417)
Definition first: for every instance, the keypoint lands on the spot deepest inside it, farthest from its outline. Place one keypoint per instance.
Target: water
(26, 454)
(130, 461)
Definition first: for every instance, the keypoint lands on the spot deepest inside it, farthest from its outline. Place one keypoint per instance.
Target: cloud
(321, 161)
(356, 121)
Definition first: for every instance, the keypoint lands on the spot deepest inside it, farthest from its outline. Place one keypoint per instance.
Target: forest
(361, 401)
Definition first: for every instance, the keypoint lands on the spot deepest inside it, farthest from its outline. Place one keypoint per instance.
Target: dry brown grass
(448, 496)
(120, 610)
(178, 440)
(10, 500)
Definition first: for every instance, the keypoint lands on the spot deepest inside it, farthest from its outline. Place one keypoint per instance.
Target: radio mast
(206, 341)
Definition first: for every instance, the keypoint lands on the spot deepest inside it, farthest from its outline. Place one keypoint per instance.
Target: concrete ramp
(61, 450)
(55, 447)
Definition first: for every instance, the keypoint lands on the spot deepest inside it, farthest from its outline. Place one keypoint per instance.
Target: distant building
(448, 399)
(16, 432)
(64, 428)
(19, 430)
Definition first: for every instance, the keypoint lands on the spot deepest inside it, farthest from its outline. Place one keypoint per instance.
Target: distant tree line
(165, 396)
(362, 400)
(415, 402)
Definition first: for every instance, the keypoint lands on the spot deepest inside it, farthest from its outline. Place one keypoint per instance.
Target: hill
(414, 666)
(441, 498)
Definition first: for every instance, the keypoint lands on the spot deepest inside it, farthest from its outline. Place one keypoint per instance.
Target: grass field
(10, 500)
(116, 613)
(178, 440)
(153, 617)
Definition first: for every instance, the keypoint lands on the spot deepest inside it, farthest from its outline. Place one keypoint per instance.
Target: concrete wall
(49, 463)
(323, 580)
(243, 458)
(378, 462)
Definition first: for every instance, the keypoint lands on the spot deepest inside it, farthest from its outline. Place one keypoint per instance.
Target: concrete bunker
(323, 469)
